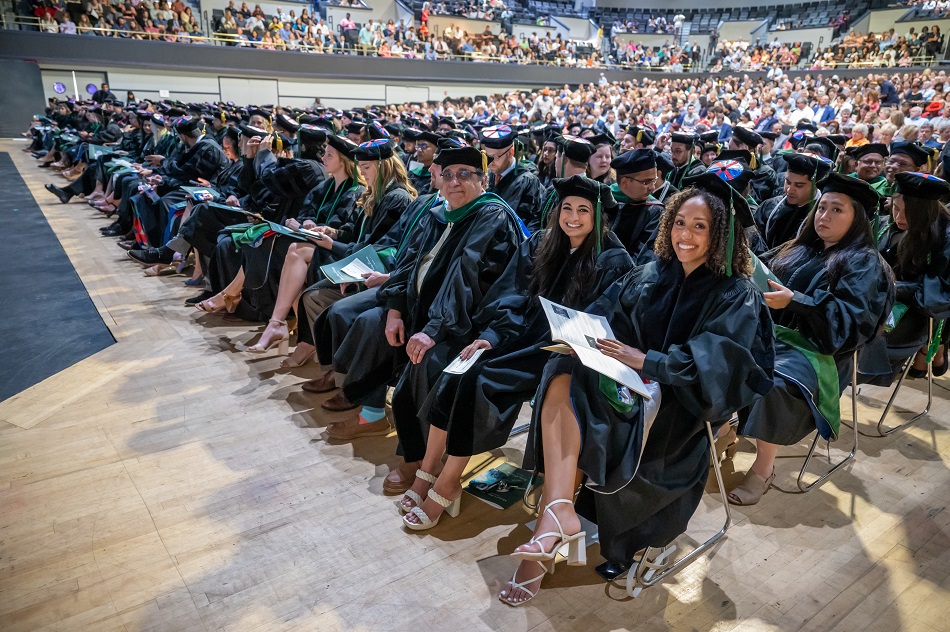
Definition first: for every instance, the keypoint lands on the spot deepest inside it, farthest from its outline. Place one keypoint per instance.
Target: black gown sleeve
(491, 242)
(728, 364)
(930, 293)
(841, 320)
(506, 304)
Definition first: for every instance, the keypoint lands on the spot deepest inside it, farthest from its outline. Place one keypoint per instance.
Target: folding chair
(646, 572)
(881, 430)
(854, 447)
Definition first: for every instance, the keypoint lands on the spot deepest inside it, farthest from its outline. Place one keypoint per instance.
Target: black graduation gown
(708, 344)
(635, 222)
(837, 322)
(778, 221)
(203, 160)
(925, 292)
(263, 264)
(472, 258)
(353, 329)
(479, 408)
(693, 167)
(332, 327)
(330, 205)
(363, 231)
(764, 183)
(420, 180)
(522, 190)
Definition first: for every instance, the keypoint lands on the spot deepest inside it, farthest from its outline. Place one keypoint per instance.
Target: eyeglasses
(647, 182)
(422, 146)
(462, 175)
(871, 163)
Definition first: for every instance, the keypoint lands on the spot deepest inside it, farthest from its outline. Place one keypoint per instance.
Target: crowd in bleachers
(298, 30)
(740, 55)
(880, 50)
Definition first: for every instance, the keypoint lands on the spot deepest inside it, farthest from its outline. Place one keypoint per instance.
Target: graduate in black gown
(638, 217)
(570, 159)
(331, 204)
(434, 295)
(779, 218)
(571, 262)
(694, 326)
(509, 179)
(350, 333)
(685, 163)
(834, 292)
(917, 247)
(764, 179)
(248, 262)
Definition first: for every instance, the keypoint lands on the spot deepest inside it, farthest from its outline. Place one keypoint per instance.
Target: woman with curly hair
(691, 323)
(831, 298)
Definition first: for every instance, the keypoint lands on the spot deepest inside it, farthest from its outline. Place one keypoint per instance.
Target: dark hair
(554, 259)
(926, 231)
(312, 151)
(718, 234)
(795, 252)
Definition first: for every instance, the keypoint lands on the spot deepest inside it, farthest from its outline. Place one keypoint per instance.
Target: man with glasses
(425, 148)
(869, 165)
(508, 178)
(639, 216)
(433, 299)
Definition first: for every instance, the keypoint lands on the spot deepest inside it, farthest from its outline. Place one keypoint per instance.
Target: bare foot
(419, 486)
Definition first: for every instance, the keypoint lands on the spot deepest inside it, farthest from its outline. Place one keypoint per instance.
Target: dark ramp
(49, 321)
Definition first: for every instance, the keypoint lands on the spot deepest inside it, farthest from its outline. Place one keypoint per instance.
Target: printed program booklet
(574, 331)
(501, 486)
(351, 269)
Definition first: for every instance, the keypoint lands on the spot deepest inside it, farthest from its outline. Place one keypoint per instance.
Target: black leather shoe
(942, 369)
(151, 256)
(63, 195)
(43, 165)
(113, 232)
(204, 296)
(129, 244)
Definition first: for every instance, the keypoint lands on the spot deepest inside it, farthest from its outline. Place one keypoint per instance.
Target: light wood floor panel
(170, 482)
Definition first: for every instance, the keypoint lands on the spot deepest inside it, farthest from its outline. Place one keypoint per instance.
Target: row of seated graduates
(465, 268)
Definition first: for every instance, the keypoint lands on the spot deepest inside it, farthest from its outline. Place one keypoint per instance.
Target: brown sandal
(751, 489)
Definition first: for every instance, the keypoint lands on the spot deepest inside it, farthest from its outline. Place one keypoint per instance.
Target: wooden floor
(171, 482)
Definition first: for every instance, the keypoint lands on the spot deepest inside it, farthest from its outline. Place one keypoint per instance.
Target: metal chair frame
(854, 448)
(637, 576)
(882, 431)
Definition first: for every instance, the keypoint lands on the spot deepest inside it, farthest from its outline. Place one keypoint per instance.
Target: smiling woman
(688, 322)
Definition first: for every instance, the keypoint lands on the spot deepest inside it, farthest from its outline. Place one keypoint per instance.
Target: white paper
(460, 366)
(581, 331)
(311, 233)
(356, 269)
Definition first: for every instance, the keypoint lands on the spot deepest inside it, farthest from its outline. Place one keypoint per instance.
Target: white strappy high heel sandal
(513, 585)
(412, 495)
(577, 542)
(452, 507)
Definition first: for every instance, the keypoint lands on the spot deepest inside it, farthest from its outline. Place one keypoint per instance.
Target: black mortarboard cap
(379, 149)
(576, 148)
(634, 161)
(464, 155)
(747, 137)
(922, 186)
(918, 154)
(854, 188)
